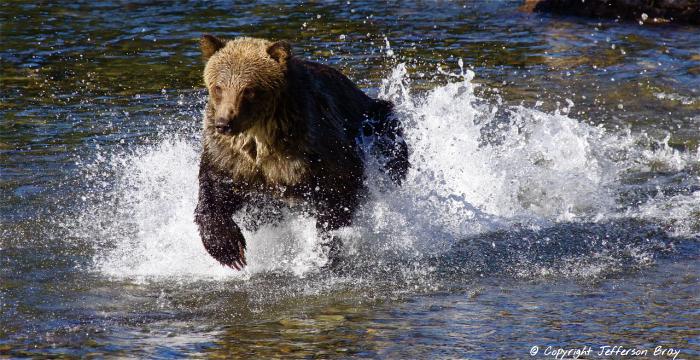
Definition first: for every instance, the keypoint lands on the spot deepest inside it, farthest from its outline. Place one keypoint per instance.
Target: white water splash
(475, 167)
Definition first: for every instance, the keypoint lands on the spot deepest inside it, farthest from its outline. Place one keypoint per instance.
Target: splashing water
(475, 168)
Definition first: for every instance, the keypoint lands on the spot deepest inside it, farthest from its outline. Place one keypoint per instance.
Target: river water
(553, 199)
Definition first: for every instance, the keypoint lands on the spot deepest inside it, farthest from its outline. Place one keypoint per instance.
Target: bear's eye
(216, 92)
(249, 93)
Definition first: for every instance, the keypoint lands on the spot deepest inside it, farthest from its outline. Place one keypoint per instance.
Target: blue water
(553, 200)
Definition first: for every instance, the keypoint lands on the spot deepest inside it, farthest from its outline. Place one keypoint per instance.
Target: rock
(659, 11)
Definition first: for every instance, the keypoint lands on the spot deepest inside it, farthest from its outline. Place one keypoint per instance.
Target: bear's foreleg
(218, 201)
(333, 213)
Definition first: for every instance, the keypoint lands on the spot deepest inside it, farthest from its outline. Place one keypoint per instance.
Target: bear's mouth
(230, 129)
(224, 130)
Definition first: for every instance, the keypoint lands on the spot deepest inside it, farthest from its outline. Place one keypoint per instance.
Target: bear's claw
(240, 262)
(235, 258)
(222, 239)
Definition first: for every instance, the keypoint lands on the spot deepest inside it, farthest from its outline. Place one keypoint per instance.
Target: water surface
(554, 198)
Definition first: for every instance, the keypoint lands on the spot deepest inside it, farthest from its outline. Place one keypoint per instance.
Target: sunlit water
(553, 198)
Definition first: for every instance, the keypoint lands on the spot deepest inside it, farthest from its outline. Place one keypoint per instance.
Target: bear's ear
(210, 44)
(280, 51)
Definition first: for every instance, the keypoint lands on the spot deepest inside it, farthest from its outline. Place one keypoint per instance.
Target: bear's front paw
(227, 251)
(223, 239)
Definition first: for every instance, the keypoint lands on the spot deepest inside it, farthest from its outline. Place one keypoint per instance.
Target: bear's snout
(227, 120)
(223, 126)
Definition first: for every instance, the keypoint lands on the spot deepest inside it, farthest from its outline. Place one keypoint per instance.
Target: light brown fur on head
(242, 61)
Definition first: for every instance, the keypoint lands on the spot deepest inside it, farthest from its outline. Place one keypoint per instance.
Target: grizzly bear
(288, 130)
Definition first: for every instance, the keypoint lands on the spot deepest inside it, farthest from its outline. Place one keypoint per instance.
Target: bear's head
(245, 78)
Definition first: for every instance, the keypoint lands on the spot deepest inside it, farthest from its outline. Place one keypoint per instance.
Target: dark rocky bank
(648, 11)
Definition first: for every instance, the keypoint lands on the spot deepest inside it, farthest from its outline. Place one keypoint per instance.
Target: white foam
(154, 234)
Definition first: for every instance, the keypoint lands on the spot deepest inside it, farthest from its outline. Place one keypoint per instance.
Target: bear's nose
(221, 125)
